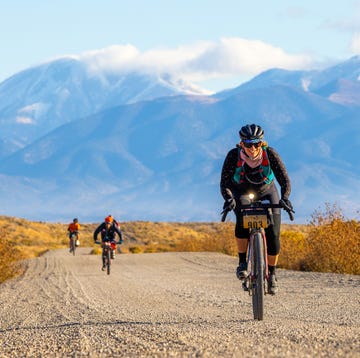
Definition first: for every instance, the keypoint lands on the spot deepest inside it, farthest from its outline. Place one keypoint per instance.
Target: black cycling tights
(273, 231)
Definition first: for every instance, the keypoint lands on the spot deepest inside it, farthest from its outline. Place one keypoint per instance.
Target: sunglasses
(249, 145)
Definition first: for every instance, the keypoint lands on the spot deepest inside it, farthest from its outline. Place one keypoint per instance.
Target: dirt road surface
(172, 305)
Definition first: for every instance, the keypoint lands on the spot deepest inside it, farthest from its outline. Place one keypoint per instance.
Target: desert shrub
(150, 249)
(191, 244)
(292, 254)
(135, 249)
(208, 237)
(333, 244)
(96, 251)
(22, 239)
(10, 257)
(223, 240)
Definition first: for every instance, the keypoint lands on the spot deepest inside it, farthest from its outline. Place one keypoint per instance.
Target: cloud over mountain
(197, 62)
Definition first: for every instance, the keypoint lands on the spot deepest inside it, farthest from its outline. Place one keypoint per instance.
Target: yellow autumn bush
(292, 253)
(333, 244)
(10, 257)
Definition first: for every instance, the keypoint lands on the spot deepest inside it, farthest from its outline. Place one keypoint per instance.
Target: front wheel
(258, 279)
(72, 245)
(108, 259)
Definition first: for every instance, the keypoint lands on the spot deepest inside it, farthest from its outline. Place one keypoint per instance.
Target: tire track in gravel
(172, 304)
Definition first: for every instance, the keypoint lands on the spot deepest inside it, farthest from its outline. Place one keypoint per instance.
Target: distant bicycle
(73, 242)
(257, 216)
(108, 247)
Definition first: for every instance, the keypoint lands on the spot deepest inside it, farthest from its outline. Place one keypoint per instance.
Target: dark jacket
(229, 167)
(110, 233)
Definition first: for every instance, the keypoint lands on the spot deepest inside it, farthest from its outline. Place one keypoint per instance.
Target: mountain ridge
(160, 159)
(54, 93)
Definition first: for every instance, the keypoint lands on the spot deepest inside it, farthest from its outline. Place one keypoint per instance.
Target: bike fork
(249, 282)
(266, 264)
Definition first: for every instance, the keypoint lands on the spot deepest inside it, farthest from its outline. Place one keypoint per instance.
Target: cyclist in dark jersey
(108, 231)
(253, 166)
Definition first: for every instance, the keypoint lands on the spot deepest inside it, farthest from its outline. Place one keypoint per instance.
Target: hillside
(35, 238)
(22, 239)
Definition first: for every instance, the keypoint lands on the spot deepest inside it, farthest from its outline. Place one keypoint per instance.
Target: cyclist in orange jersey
(73, 228)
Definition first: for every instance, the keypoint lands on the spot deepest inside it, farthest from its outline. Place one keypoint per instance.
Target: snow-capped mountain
(339, 83)
(38, 100)
(161, 159)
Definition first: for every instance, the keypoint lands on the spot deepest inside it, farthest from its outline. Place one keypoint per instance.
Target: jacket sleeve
(227, 172)
(280, 172)
(117, 229)
(97, 230)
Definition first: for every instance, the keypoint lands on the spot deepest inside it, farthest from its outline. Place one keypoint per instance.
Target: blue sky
(215, 44)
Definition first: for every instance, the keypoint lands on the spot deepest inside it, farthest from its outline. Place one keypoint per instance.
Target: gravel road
(173, 305)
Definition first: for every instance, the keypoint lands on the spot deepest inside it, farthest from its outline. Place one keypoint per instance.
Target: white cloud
(200, 61)
(113, 58)
(236, 56)
(355, 44)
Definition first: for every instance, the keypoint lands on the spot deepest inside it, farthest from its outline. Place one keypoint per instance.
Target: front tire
(108, 263)
(73, 246)
(258, 280)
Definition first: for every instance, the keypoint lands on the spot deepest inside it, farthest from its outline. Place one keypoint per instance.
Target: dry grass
(329, 243)
(22, 239)
(333, 243)
(10, 257)
(145, 236)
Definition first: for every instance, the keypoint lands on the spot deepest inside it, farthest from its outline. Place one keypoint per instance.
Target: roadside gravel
(174, 305)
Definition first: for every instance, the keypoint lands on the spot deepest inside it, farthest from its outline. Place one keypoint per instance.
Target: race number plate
(255, 221)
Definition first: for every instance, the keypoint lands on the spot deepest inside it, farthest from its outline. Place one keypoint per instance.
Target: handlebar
(260, 205)
(100, 242)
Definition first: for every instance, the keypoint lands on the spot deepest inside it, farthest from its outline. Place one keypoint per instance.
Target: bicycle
(107, 248)
(257, 216)
(73, 242)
